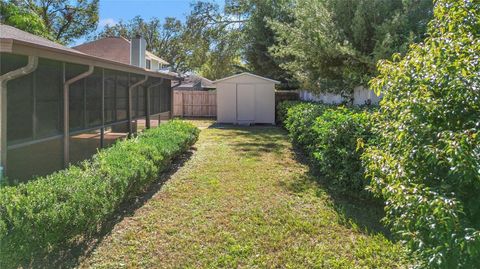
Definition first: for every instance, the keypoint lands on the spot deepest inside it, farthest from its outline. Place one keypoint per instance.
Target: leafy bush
(282, 109)
(330, 136)
(299, 121)
(339, 134)
(59, 208)
(426, 163)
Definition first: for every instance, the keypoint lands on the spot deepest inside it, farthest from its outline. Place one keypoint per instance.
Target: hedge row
(59, 208)
(332, 137)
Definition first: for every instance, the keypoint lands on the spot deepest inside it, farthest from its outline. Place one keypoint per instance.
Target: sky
(112, 11)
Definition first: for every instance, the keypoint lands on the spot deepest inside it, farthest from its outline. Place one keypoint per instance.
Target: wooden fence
(194, 103)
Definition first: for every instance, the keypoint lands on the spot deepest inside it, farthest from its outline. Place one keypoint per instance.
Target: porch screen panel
(115, 132)
(10, 62)
(77, 105)
(37, 159)
(135, 103)
(165, 99)
(84, 144)
(94, 98)
(109, 81)
(122, 96)
(48, 98)
(155, 100)
(20, 109)
(141, 111)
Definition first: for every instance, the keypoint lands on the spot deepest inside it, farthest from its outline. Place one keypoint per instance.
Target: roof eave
(21, 47)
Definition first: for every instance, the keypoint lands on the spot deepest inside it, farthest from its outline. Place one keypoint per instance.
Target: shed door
(245, 102)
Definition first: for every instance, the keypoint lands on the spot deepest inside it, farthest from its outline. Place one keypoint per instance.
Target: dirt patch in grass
(244, 199)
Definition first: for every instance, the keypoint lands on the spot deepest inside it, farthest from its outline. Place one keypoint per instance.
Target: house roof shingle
(9, 32)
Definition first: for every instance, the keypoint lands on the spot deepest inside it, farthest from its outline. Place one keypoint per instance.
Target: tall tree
(22, 19)
(259, 37)
(65, 21)
(335, 44)
(213, 38)
(237, 38)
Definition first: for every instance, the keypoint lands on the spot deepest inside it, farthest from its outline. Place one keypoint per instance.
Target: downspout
(23, 71)
(66, 113)
(130, 89)
(148, 101)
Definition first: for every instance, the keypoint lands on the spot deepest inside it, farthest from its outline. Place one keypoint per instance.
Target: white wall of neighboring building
(361, 96)
(327, 98)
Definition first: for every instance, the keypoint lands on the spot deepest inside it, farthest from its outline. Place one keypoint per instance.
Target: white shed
(246, 99)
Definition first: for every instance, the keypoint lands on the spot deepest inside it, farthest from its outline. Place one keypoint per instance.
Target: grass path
(243, 200)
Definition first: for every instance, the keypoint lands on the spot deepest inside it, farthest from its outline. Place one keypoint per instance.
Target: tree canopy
(333, 45)
(320, 45)
(23, 20)
(61, 21)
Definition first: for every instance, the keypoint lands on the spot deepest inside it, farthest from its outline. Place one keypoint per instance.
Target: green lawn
(244, 200)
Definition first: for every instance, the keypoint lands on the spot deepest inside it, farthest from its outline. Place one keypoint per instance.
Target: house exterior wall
(112, 48)
(154, 65)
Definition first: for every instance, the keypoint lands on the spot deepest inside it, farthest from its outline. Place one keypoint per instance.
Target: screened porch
(102, 108)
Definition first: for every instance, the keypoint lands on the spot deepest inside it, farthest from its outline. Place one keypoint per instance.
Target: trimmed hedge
(332, 137)
(339, 137)
(60, 208)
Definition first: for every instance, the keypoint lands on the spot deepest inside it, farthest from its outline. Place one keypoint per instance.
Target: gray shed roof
(247, 74)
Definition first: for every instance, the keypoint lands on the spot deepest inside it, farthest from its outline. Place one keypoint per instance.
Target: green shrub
(332, 137)
(58, 209)
(299, 121)
(339, 134)
(426, 162)
(282, 109)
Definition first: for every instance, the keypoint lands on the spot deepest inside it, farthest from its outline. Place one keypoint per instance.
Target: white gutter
(27, 69)
(130, 102)
(66, 113)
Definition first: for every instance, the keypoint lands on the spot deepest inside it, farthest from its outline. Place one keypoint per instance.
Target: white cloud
(108, 21)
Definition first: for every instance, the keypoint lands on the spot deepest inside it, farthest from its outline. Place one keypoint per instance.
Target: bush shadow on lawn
(70, 256)
(265, 137)
(362, 214)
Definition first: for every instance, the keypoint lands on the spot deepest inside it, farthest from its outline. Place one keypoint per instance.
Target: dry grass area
(244, 200)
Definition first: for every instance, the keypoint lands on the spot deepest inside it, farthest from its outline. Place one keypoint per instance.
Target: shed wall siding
(264, 102)
(226, 103)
